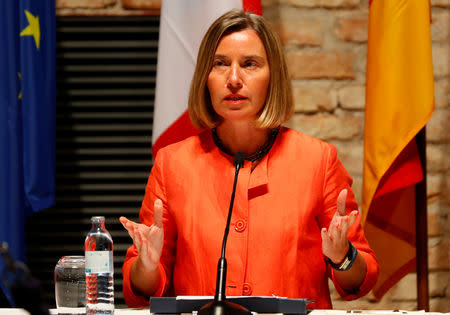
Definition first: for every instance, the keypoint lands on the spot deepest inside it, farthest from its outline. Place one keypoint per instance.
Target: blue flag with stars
(27, 115)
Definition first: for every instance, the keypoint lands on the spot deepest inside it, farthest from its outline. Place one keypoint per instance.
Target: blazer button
(247, 289)
(240, 225)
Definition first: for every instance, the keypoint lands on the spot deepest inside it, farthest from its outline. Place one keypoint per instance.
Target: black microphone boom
(219, 306)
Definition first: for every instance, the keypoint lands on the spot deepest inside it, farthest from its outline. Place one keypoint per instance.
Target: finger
(146, 251)
(343, 229)
(352, 217)
(333, 225)
(128, 226)
(341, 201)
(124, 221)
(137, 240)
(339, 231)
(324, 234)
(158, 213)
(132, 235)
(334, 218)
(335, 232)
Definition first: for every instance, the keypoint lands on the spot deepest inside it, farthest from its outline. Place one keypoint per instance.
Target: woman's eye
(249, 64)
(218, 63)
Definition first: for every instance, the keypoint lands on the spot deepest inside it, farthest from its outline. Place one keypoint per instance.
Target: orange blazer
(274, 245)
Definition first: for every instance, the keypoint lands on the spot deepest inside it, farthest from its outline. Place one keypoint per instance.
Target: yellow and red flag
(399, 102)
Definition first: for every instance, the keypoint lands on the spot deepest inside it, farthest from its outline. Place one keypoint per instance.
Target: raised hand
(334, 239)
(147, 239)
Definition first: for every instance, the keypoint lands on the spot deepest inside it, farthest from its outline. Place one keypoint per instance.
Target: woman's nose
(234, 79)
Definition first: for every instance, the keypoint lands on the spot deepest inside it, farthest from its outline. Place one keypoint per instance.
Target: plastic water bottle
(99, 268)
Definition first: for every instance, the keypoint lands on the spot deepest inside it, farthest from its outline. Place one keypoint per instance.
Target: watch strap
(348, 261)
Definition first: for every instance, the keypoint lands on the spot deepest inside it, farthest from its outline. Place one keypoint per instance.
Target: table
(18, 311)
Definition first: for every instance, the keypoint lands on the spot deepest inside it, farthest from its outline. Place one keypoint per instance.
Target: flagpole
(423, 302)
(421, 228)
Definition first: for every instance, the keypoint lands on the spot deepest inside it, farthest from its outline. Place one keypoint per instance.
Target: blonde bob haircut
(278, 107)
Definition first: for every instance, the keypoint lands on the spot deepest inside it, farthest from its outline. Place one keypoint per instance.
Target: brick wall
(325, 43)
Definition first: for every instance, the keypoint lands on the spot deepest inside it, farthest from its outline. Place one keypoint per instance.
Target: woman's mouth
(235, 98)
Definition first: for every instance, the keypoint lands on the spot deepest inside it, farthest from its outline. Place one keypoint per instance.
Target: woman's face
(240, 76)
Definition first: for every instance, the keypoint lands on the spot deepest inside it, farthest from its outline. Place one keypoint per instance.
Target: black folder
(174, 305)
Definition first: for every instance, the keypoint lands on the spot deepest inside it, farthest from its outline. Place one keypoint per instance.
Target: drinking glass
(70, 285)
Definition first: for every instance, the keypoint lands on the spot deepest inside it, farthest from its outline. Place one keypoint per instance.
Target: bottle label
(99, 262)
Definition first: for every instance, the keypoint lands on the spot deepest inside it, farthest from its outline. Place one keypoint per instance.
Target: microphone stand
(219, 306)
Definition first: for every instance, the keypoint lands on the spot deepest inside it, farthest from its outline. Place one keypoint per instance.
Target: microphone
(219, 306)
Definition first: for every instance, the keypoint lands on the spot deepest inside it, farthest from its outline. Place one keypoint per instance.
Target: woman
(294, 221)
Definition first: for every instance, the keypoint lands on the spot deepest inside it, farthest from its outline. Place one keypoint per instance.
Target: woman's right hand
(147, 239)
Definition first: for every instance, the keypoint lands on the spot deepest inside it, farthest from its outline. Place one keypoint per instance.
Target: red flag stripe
(177, 131)
(252, 6)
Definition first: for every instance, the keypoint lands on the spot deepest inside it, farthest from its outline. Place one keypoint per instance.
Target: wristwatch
(348, 261)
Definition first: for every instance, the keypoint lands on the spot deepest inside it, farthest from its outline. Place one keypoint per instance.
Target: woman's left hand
(334, 240)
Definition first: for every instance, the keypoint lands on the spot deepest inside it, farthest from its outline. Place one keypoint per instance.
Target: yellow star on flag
(33, 28)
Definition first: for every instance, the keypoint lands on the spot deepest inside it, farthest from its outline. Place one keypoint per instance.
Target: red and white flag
(182, 27)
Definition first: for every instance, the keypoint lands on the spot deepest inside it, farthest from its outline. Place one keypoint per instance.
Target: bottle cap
(98, 219)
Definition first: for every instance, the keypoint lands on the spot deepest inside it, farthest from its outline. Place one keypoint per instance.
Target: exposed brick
(437, 127)
(440, 60)
(351, 155)
(440, 25)
(353, 29)
(328, 127)
(141, 4)
(365, 4)
(438, 256)
(84, 4)
(440, 305)
(437, 157)
(441, 3)
(433, 226)
(446, 189)
(296, 29)
(268, 3)
(435, 184)
(321, 64)
(360, 64)
(442, 93)
(352, 97)
(438, 283)
(404, 290)
(441, 212)
(323, 3)
(363, 303)
(312, 98)
(357, 188)
(333, 292)
(384, 304)
(437, 205)
(444, 222)
(447, 291)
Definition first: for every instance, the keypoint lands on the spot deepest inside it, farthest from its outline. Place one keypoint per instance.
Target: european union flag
(27, 115)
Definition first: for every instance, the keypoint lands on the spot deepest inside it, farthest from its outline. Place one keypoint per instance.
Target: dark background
(106, 71)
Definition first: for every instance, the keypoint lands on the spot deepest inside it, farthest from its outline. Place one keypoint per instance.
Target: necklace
(261, 152)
